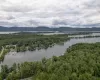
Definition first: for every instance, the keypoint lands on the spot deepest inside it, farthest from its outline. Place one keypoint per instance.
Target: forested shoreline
(22, 42)
(27, 41)
(80, 62)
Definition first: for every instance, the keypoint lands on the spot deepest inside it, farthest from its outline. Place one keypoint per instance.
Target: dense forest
(22, 42)
(80, 62)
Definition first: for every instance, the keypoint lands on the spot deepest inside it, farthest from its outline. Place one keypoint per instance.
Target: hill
(44, 28)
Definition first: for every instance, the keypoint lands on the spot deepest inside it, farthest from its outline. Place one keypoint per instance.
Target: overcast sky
(70, 13)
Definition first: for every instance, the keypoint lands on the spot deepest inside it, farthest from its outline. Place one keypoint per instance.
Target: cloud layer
(70, 13)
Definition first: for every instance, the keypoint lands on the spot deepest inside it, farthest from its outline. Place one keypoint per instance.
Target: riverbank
(28, 42)
(80, 62)
(40, 49)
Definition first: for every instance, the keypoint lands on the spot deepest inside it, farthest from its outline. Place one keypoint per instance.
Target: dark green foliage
(31, 40)
(80, 62)
(24, 42)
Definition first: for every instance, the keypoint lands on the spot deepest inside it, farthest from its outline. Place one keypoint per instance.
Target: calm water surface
(56, 50)
(9, 32)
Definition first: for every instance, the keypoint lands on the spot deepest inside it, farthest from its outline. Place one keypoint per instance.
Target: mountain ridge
(44, 28)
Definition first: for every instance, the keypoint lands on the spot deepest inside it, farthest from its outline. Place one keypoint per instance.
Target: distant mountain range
(42, 28)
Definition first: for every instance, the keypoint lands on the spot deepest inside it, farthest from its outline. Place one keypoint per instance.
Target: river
(37, 55)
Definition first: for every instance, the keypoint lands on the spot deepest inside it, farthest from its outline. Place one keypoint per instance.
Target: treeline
(15, 39)
(22, 42)
(86, 37)
(80, 62)
(80, 33)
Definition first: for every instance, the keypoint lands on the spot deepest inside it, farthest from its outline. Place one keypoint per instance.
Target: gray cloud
(75, 13)
(14, 8)
(57, 22)
(94, 4)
